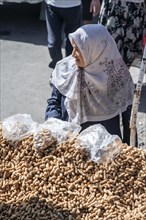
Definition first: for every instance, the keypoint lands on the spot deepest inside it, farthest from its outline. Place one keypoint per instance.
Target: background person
(93, 85)
(90, 9)
(124, 19)
(61, 15)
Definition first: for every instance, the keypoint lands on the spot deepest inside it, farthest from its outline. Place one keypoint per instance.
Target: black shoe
(50, 80)
(52, 65)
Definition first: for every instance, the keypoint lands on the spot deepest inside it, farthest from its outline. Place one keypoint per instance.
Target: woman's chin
(78, 64)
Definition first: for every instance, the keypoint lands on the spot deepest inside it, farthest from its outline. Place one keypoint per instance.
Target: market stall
(63, 180)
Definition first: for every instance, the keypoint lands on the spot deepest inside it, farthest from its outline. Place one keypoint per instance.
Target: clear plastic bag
(102, 146)
(43, 138)
(62, 130)
(18, 127)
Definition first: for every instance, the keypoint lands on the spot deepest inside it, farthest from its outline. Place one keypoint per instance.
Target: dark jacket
(55, 107)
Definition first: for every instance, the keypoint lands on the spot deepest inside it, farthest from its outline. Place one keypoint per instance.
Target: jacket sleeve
(54, 105)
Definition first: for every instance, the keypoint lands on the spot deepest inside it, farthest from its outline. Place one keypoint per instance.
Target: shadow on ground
(20, 22)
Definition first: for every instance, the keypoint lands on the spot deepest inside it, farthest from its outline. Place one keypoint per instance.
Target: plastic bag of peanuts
(62, 130)
(101, 146)
(53, 131)
(43, 138)
(17, 127)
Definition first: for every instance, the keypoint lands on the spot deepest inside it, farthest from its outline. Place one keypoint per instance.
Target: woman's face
(76, 53)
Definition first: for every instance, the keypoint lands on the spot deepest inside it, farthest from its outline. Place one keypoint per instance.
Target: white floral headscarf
(101, 90)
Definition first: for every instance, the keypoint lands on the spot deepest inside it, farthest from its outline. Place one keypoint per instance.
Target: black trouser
(58, 19)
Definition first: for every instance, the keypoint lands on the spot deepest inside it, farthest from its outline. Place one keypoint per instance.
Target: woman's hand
(95, 7)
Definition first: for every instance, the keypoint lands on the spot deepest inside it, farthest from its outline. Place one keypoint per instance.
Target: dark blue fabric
(58, 19)
(56, 109)
(112, 125)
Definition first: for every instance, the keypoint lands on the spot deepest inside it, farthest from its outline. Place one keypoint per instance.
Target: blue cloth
(56, 109)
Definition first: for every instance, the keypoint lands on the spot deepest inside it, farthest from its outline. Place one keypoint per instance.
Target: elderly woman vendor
(93, 85)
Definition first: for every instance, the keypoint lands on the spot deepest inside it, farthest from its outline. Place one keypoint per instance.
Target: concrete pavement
(24, 61)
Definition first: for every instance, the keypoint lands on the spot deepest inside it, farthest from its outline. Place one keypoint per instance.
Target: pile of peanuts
(64, 184)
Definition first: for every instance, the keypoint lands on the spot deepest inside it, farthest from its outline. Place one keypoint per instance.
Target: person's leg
(72, 21)
(86, 14)
(54, 27)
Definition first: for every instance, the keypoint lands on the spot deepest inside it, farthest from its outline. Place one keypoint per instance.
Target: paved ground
(24, 72)
(24, 61)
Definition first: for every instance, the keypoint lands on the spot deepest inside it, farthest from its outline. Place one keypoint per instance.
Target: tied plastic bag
(102, 146)
(43, 138)
(62, 130)
(18, 127)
